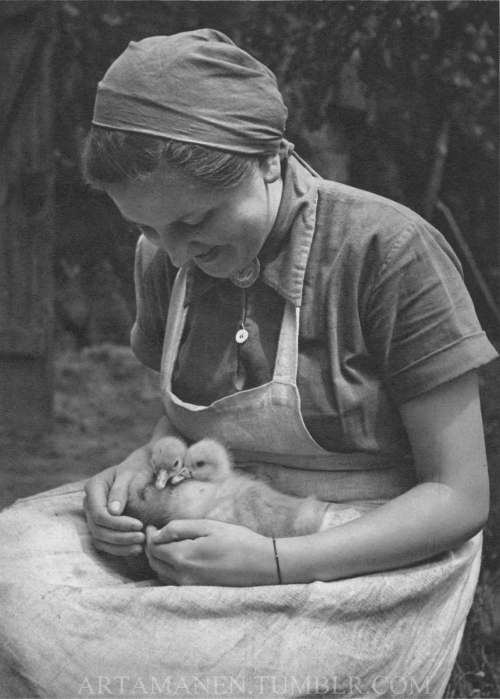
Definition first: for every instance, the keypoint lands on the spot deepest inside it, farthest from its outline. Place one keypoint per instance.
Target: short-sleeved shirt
(384, 315)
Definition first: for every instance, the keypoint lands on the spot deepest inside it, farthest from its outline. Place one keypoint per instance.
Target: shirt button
(241, 336)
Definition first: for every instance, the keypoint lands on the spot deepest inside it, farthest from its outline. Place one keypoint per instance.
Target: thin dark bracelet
(277, 561)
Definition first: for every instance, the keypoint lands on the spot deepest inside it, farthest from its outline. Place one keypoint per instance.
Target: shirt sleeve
(153, 276)
(422, 326)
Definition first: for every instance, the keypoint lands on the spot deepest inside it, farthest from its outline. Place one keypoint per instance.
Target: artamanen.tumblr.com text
(257, 686)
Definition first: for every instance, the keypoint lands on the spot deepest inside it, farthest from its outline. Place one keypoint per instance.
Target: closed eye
(199, 464)
(203, 218)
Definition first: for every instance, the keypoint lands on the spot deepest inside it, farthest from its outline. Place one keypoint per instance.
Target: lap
(71, 615)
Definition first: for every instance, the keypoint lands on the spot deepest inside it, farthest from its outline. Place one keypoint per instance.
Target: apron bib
(269, 417)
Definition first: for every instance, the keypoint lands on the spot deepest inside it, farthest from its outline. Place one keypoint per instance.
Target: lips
(208, 256)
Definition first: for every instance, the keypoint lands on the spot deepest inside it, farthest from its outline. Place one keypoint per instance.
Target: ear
(271, 168)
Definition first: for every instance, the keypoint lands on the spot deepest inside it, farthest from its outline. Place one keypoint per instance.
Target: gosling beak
(161, 479)
(180, 476)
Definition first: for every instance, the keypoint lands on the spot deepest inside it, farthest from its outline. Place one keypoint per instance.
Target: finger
(108, 491)
(170, 554)
(116, 538)
(180, 529)
(96, 490)
(103, 523)
(164, 570)
(134, 550)
(97, 513)
(150, 531)
(116, 542)
(169, 575)
(118, 494)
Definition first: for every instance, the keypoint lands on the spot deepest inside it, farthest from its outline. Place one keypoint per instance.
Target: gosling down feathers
(167, 457)
(205, 485)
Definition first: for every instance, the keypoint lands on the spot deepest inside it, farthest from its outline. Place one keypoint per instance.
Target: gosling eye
(177, 462)
(199, 464)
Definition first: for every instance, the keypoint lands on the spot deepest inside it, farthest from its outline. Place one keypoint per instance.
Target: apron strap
(285, 368)
(175, 324)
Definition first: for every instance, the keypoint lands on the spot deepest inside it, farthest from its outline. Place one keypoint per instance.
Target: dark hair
(119, 157)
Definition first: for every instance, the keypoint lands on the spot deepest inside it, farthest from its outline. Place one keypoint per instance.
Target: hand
(106, 496)
(206, 552)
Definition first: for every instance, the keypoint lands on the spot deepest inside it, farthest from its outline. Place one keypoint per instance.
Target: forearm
(427, 520)
(448, 507)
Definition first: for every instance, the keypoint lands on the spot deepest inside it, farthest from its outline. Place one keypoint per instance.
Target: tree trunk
(26, 217)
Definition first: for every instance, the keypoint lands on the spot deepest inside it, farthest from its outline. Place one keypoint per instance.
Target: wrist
(277, 561)
(265, 573)
(287, 562)
(296, 560)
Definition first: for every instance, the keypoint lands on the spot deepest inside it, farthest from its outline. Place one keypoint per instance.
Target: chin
(217, 269)
(217, 274)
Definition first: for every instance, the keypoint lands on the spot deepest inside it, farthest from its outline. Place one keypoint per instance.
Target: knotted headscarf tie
(195, 87)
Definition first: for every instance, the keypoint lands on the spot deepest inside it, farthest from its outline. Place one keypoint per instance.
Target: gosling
(207, 487)
(167, 458)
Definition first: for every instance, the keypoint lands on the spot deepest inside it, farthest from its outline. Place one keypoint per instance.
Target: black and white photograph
(249, 349)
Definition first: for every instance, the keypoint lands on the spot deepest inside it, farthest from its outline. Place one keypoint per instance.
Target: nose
(176, 246)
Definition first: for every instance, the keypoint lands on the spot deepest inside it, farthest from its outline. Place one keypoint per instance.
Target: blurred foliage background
(400, 98)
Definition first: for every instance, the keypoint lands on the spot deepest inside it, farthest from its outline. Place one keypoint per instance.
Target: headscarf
(194, 87)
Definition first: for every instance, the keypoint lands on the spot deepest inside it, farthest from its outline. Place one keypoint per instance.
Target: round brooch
(247, 276)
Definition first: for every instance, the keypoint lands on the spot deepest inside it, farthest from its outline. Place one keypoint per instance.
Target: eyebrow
(134, 223)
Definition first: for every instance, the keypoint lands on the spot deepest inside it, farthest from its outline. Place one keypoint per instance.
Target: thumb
(118, 495)
(179, 529)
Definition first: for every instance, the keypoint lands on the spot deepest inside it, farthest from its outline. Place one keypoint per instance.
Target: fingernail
(115, 506)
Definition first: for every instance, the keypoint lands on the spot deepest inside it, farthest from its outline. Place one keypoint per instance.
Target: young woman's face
(220, 230)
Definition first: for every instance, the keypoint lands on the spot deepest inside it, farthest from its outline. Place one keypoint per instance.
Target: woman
(326, 336)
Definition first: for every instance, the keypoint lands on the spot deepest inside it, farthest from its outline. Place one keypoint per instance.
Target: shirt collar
(284, 255)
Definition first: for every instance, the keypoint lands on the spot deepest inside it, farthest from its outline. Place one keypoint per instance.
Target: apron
(77, 623)
(269, 416)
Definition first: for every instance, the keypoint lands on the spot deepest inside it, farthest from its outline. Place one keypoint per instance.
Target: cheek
(248, 232)
(243, 215)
